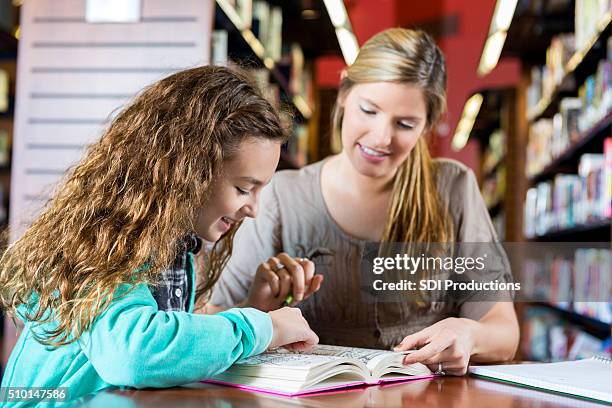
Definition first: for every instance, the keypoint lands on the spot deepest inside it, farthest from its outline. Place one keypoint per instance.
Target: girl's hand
(291, 330)
(449, 341)
(279, 277)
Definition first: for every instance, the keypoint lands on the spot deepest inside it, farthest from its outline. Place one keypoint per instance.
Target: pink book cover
(312, 391)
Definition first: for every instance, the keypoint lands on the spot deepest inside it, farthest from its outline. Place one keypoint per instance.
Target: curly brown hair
(132, 198)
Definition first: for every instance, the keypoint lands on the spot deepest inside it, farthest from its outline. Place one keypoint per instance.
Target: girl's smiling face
(234, 195)
(382, 123)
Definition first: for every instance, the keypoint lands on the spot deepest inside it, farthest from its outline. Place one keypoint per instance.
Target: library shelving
(498, 163)
(568, 123)
(244, 47)
(589, 141)
(277, 42)
(558, 160)
(574, 69)
(591, 325)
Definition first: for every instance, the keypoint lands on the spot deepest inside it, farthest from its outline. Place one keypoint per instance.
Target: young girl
(384, 187)
(188, 157)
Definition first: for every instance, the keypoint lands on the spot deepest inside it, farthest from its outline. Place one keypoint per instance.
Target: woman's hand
(291, 330)
(279, 277)
(449, 341)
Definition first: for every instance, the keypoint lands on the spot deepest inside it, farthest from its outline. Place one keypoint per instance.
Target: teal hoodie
(134, 344)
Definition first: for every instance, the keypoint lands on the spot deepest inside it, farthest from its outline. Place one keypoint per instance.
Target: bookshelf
(589, 141)
(244, 47)
(578, 64)
(591, 325)
(277, 44)
(563, 120)
(493, 128)
(567, 128)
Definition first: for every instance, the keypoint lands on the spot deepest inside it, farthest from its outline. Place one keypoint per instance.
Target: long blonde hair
(406, 56)
(132, 198)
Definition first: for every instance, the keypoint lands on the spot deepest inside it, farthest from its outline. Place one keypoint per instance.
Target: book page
(319, 355)
(368, 357)
(286, 358)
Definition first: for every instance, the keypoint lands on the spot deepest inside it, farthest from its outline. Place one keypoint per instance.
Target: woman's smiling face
(382, 123)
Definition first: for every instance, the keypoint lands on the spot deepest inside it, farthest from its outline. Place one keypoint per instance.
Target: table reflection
(452, 392)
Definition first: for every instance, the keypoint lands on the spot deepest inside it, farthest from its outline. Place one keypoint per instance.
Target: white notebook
(590, 378)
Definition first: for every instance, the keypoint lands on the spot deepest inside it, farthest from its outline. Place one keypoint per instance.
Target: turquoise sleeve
(132, 343)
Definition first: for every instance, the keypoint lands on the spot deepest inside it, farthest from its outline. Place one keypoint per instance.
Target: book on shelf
(495, 150)
(538, 210)
(591, 170)
(561, 49)
(583, 345)
(588, 378)
(547, 336)
(569, 110)
(539, 146)
(592, 284)
(244, 9)
(274, 43)
(586, 18)
(5, 148)
(538, 324)
(323, 368)
(4, 91)
(572, 199)
(267, 25)
(261, 20)
(296, 84)
(534, 91)
(529, 214)
(298, 144)
(219, 47)
(596, 96)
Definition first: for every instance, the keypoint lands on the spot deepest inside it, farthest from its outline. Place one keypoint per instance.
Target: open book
(323, 368)
(590, 378)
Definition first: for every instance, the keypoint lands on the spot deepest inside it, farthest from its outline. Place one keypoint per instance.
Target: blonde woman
(383, 186)
(104, 278)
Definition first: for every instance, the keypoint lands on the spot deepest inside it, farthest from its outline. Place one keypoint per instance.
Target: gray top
(294, 218)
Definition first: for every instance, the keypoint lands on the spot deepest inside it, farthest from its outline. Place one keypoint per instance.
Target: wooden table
(448, 392)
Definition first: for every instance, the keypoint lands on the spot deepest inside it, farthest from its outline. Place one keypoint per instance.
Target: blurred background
(529, 108)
